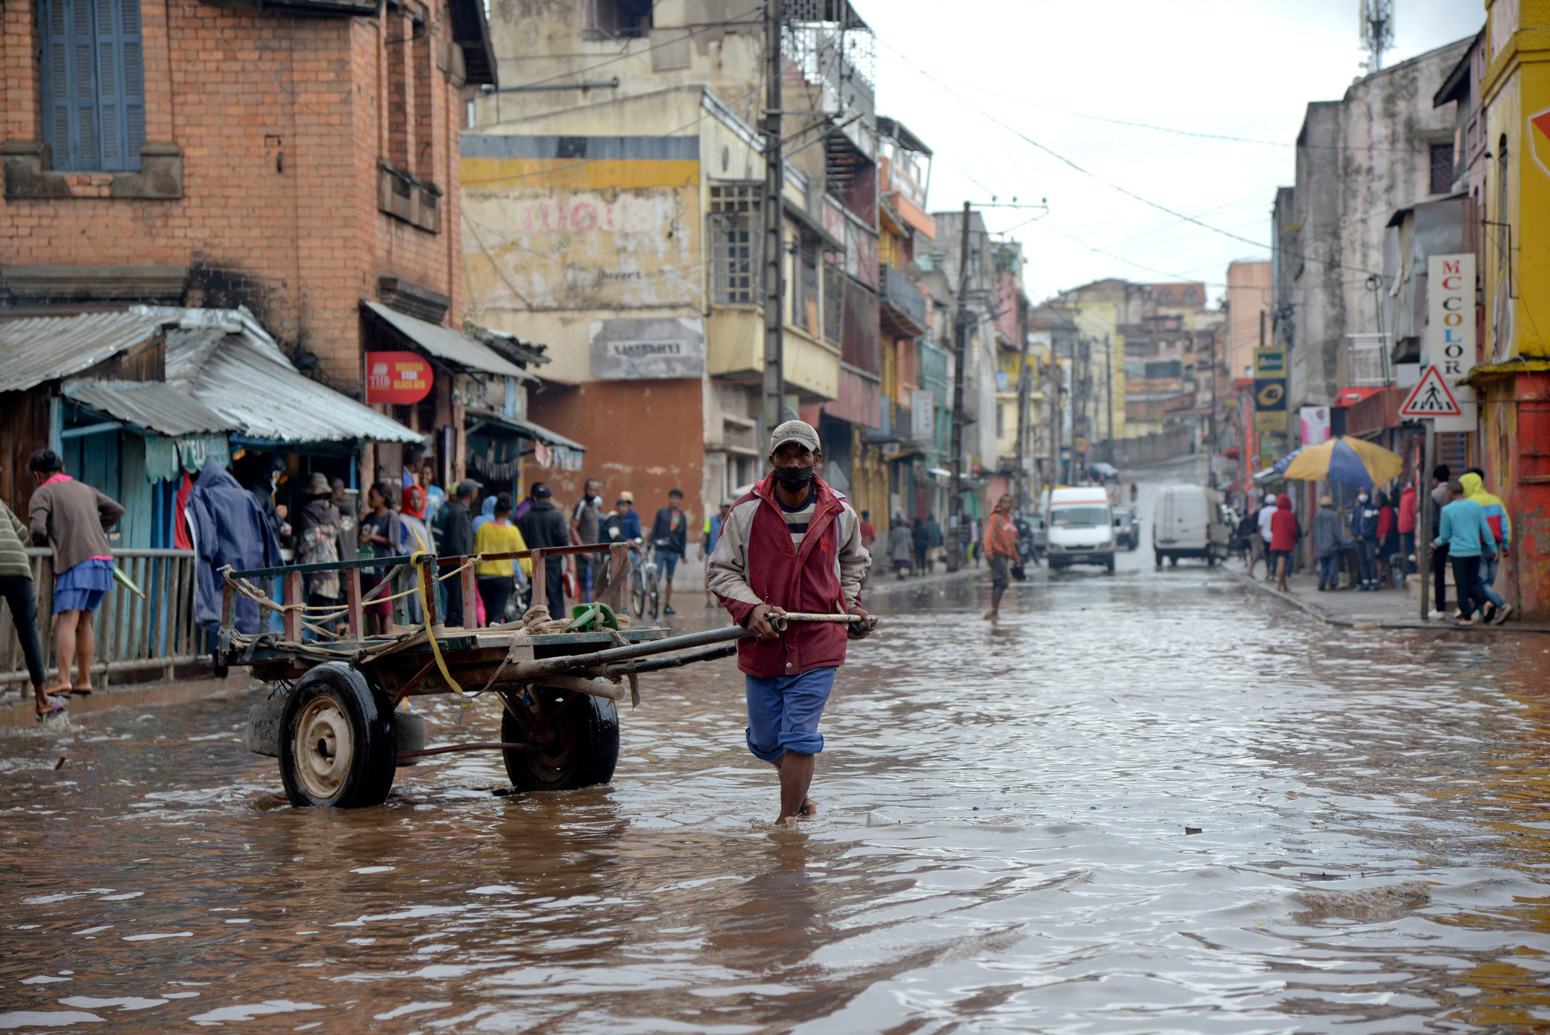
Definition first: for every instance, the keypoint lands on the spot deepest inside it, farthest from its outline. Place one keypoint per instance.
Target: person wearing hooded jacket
(1284, 533)
(1404, 521)
(1364, 529)
(1326, 543)
(229, 529)
(1473, 481)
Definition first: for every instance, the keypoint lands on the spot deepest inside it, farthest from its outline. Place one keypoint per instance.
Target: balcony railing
(1363, 363)
(905, 304)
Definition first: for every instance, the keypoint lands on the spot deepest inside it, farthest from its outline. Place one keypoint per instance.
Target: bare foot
(52, 704)
(60, 691)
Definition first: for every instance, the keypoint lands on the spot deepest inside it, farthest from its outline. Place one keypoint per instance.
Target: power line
(1051, 152)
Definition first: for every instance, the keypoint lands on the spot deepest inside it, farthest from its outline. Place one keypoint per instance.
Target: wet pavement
(1154, 801)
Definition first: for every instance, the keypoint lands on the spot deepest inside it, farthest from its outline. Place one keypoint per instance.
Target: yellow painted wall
(1516, 90)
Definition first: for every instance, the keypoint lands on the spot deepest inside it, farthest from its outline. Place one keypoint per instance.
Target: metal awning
(42, 348)
(152, 405)
(224, 373)
(482, 419)
(443, 343)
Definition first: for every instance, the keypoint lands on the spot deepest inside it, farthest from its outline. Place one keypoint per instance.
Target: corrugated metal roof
(223, 373)
(152, 405)
(41, 348)
(447, 344)
(270, 400)
(524, 427)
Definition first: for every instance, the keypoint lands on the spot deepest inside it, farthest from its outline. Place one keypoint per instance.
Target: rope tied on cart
(427, 607)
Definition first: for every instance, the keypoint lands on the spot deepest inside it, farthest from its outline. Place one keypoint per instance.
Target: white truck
(1081, 528)
(1187, 522)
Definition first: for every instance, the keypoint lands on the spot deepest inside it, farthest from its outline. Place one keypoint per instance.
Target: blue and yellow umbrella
(1353, 461)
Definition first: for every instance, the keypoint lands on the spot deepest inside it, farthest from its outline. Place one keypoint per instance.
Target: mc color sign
(1450, 330)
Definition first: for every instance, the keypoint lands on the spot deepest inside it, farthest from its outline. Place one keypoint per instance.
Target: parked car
(1187, 521)
(1127, 527)
(1081, 528)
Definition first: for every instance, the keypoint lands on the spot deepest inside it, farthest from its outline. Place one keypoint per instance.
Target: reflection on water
(1002, 846)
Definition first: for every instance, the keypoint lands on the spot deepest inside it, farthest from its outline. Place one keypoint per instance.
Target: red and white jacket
(755, 563)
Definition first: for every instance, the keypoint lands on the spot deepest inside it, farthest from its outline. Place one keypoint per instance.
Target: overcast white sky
(1243, 68)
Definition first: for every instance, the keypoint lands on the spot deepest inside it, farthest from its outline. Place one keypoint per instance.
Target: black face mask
(794, 479)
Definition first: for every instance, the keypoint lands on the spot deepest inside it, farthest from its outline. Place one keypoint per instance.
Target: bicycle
(646, 579)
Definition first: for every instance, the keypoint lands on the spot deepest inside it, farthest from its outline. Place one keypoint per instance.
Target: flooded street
(1148, 802)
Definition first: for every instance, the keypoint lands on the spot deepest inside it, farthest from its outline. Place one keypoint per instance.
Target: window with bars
(93, 79)
(1442, 168)
(735, 242)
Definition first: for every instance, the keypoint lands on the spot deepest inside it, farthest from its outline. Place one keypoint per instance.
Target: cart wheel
(584, 751)
(337, 746)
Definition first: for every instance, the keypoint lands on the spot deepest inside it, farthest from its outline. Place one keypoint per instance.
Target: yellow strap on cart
(430, 634)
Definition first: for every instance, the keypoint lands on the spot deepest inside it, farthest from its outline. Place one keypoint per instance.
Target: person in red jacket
(1404, 521)
(1284, 533)
(791, 544)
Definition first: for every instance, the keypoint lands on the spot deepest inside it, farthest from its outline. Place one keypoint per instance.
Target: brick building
(298, 158)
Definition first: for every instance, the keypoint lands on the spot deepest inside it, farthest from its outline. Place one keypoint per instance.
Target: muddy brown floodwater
(1004, 845)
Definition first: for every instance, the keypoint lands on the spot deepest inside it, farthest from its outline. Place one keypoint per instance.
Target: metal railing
(903, 297)
(149, 635)
(1363, 362)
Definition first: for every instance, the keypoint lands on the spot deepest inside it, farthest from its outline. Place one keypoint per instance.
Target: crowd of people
(234, 518)
(1371, 545)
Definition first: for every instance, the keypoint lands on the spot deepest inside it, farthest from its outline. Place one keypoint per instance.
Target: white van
(1187, 522)
(1081, 528)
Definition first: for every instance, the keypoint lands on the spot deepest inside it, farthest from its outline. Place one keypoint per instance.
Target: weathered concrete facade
(619, 223)
(1358, 160)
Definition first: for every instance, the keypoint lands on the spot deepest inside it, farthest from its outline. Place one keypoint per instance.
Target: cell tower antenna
(1375, 26)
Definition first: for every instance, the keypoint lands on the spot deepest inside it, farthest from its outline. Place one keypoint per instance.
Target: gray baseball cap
(795, 431)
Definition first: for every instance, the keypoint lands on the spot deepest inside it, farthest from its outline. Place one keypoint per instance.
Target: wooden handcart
(335, 719)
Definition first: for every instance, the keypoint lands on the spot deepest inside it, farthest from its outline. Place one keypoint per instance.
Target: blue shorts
(783, 712)
(82, 587)
(669, 562)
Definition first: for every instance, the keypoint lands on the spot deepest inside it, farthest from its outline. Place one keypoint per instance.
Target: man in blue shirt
(1467, 534)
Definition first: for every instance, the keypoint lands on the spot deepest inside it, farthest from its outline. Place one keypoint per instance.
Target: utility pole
(1108, 388)
(956, 523)
(1024, 384)
(1211, 422)
(770, 209)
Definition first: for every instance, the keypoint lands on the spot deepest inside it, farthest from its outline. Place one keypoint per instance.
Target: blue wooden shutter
(93, 83)
(83, 87)
(120, 83)
(54, 20)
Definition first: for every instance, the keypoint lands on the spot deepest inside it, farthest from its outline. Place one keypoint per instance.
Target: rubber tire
(1210, 560)
(655, 596)
(1173, 560)
(637, 593)
(374, 748)
(1110, 566)
(588, 731)
(1158, 556)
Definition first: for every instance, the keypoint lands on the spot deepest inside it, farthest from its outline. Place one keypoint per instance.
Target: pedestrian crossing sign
(1431, 397)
